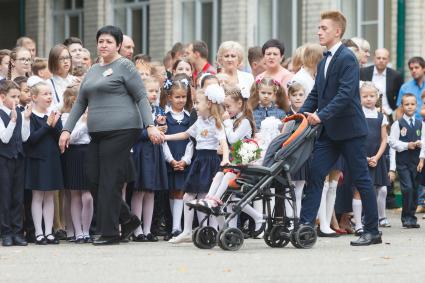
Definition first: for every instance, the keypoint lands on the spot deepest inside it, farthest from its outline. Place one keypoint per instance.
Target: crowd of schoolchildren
(202, 110)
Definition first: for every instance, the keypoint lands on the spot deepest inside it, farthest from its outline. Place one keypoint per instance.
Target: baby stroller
(285, 155)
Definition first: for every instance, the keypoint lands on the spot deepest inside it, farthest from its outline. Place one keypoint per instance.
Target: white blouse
(80, 134)
(206, 134)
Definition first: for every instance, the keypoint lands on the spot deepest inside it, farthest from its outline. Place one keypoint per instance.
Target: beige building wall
(237, 23)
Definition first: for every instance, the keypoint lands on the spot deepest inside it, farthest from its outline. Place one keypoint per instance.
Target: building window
(366, 19)
(200, 20)
(68, 19)
(132, 16)
(279, 19)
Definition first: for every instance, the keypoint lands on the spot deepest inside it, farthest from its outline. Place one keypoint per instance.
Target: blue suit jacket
(336, 97)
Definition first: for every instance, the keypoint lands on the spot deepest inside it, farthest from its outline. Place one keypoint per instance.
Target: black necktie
(411, 122)
(327, 53)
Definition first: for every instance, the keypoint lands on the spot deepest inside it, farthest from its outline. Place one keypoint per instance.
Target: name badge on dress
(108, 72)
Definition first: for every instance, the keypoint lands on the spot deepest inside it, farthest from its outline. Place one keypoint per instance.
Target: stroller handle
(299, 130)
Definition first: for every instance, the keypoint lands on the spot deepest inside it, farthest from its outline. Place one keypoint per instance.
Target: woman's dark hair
(114, 31)
(274, 43)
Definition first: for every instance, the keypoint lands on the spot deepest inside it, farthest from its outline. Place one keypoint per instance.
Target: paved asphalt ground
(399, 258)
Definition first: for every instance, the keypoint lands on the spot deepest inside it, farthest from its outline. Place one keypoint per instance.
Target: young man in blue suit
(334, 102)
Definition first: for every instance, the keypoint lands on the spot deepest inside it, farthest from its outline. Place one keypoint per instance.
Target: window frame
(216, 25)
(67, 13)
(129, 7)
(275, 23)
(380, 20)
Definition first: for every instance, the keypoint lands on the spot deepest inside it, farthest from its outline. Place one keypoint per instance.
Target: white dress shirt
(380, 81)
(7, 132)
(187, 157)
(329, 58)
(394, 140)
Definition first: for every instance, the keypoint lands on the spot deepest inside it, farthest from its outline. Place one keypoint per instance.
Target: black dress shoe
(7, 241)
(129, 227)
(367, 239)
(40, 240)
(103, 241)
(51, 239)
(140, 238)
(61, 234)
(326, 235)
(18, 240)
(151, 238)
(168, 237)
(412, 226)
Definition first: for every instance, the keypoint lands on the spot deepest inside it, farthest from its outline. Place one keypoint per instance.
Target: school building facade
(155, 25)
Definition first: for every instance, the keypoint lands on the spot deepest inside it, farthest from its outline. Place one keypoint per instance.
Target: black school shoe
(51, 240)
(18, 240)
(367, 239)
(105, 240)
(128, 228)
(7, 241)
(151, 238)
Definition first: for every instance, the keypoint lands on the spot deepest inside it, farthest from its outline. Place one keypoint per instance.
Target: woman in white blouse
(230, 57)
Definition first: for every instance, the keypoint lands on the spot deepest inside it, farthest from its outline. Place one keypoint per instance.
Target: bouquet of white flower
(244, 151)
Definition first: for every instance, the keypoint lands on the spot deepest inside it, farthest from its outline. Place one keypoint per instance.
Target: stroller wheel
(231, 239)
(293, 241)
(279, 236)
(206, 238)
(267, 238)
(194, 233)
(305, 237)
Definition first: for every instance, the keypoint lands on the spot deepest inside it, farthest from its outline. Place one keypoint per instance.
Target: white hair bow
(215, 93)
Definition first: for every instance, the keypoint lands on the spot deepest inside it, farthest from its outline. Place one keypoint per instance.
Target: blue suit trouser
(325, 154)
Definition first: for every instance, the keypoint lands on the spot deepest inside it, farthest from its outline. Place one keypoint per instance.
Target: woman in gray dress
(115, 97)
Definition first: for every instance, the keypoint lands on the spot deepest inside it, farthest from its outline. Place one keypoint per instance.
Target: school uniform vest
(409, 134)
(13, 148)
(177, 148)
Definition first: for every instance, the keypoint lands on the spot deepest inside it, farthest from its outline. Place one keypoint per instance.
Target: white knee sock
(299, 187)
(48, 212)
(324, 224)
(258, 206)
(381, 197)
(224, 184)
(258, 217)
(177, 210)
(37, 211)
(69, 227)
(201, 215)
(76, 208)
(330, 200)
(137, 208)
(86, 212)
(215, 183)
(357, 211)
(233, 223)
(148, 205)
(188, 213)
